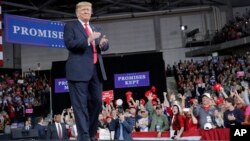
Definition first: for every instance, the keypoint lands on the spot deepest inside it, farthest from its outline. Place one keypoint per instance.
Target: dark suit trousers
(86, 99)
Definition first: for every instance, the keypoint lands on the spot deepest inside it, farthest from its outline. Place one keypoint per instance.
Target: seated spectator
(232, 116)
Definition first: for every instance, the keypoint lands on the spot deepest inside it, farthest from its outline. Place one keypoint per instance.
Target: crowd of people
(22, 97)
(210, 94)
(235, 29)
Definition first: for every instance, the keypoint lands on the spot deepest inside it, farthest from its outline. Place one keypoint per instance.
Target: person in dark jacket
(85, 70)
(122, 126)
(57, 130)
(232, 116)
(41, 129)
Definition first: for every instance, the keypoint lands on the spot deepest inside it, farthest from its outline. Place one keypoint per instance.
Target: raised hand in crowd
(222, 91)
(183, 98)
(238, 98)
(194, 102)
(134, 104)
(245, 93)
(150, 97)
(158, 101)
(194, 119)
(165, 102)
(112, 106)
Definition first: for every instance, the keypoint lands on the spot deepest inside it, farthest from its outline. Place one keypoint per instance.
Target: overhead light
(183, 27)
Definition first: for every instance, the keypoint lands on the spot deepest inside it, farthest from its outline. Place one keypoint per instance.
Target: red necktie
(92, 43)
(59, 131)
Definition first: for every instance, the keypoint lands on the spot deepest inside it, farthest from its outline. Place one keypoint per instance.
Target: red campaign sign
(108, 95)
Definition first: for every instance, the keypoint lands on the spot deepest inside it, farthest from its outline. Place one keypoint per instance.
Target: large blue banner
(24, 30)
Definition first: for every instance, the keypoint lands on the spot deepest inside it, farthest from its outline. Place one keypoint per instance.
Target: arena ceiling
(65, 9)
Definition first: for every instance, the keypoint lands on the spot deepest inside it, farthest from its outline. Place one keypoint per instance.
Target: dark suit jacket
(52, 132)
(41, 131)
(127, 128)
(79, 66)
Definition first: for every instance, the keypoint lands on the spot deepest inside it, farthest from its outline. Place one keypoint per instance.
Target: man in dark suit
(57, 130)
(85, 70)
(40, 128)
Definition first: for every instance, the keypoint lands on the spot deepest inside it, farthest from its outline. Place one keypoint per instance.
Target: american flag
(1, 39)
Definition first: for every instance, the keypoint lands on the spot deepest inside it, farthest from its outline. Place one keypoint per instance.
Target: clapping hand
(94, 36)
(103, 41)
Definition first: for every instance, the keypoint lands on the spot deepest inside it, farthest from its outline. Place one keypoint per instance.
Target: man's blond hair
(83, 4)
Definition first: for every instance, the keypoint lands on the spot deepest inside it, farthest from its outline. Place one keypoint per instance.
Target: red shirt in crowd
(177, 122)
(189, 125)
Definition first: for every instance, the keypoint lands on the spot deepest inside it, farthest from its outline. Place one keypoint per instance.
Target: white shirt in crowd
(143, 124)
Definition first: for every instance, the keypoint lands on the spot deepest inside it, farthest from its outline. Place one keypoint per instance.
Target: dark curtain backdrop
(114, 64)
(9, 71)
